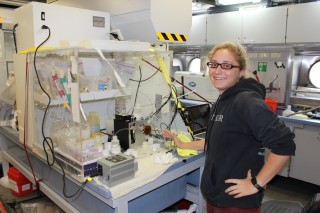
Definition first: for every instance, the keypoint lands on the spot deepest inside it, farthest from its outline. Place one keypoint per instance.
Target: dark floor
(282, 188)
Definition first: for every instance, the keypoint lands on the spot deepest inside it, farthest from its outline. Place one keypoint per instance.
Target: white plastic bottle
(287, 111)
(115, 140)
(115, 145)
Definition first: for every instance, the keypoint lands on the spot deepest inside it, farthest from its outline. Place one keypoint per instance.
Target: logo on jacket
(217, 118)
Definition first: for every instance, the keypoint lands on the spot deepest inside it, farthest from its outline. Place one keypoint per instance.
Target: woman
(241, 125)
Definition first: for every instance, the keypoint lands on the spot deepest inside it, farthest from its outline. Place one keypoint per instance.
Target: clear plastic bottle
(94, 122)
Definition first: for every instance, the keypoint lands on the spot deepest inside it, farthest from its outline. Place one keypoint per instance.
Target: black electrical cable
(174, 89)
(46, 140)
(64, 184)
(102, 132)
(174, 80)
(121, 130)
(135, 99)
(174, 116)
(14, 37)
(159, 109)
(144, 79)
(161, 127)
(168, 99)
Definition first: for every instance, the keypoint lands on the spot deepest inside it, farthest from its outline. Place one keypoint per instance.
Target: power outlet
(43, 16)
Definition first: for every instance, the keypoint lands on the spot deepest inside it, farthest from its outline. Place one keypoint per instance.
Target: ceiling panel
(17, 3)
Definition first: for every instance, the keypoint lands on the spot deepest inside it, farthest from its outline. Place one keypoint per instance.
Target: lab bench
(304, 165)
(180, 181)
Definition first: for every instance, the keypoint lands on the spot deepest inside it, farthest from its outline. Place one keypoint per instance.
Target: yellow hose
(167, 77)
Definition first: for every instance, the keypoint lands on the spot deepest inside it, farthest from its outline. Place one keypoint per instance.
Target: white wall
(7, 15)
(79, 25)
(115, 7)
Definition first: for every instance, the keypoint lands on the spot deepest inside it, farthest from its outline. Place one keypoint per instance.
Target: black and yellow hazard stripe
(171, 37)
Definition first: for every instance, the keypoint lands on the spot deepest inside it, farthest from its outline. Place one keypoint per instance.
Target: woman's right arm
(194, 145)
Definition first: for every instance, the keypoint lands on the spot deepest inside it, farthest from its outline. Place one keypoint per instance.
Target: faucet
(271, 87)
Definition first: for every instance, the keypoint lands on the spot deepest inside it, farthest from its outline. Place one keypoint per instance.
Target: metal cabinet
(224, 27)
(305, 164)
(302, 26)
(263, 26)
(197, 35)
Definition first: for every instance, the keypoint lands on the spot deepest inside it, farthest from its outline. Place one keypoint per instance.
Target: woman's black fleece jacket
(241, 125)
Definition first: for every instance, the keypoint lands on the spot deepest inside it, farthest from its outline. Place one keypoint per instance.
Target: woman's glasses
(224, 66)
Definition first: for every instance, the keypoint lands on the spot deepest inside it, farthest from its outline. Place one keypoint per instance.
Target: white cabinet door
(264, 25)
(224, 27)
(305, 164)
(261, 26)
(303, 23)
(197, 35)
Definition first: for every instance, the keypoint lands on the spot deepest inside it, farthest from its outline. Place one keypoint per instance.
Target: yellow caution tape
(172, 37)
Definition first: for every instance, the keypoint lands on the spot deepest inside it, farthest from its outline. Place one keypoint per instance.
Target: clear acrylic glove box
(73, 95)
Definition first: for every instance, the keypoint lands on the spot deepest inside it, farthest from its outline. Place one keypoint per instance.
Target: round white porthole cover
(314, 74)
(194, 65)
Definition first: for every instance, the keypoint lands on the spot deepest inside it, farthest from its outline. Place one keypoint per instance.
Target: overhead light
(229, 2)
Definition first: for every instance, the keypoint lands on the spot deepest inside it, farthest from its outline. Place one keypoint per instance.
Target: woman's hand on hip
(241, 187)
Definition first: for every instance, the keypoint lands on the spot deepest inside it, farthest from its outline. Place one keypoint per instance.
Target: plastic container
(272, 103)
(287, 111)
(94, 122)
(19, 184)
(115, 145)
(69, 136)
(85, 130)
(115, 140)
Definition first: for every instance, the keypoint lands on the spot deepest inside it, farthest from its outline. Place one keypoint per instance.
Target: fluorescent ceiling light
(229, 2)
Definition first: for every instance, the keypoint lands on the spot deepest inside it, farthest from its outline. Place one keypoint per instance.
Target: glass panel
(9, 46)
(79, 103)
